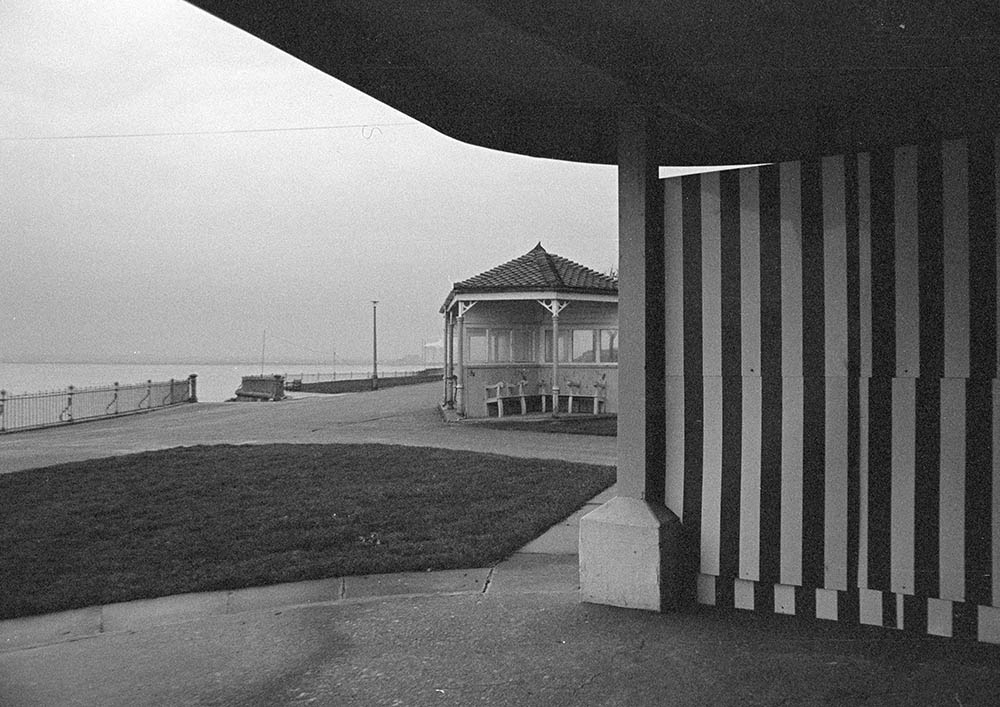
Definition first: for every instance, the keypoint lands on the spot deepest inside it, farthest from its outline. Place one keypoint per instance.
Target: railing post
(3, 401)
(193, 388)
(68, 410)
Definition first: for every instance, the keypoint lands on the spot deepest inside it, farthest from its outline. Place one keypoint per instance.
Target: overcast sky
(125, 237)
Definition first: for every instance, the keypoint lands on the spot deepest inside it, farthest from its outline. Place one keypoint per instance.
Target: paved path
(403, 415)
(514, 634)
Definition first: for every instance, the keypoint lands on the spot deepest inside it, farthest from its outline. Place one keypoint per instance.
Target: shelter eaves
(537, 273)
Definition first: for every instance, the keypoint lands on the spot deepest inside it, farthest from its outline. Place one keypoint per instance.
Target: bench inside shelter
(504, 399)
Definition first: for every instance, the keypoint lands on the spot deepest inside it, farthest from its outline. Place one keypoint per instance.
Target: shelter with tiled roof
(500, 327)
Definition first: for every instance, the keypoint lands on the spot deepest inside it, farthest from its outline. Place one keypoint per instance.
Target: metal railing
(355, 375)
(63, 407)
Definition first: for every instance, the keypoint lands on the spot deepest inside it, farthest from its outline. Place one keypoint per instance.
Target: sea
(217, 382)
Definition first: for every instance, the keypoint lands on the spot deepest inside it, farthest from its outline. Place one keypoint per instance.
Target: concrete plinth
(631, 555)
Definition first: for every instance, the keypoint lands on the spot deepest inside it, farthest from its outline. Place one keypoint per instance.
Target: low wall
(357, 385)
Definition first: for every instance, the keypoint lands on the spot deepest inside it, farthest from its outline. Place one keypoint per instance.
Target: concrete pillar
(631, 548)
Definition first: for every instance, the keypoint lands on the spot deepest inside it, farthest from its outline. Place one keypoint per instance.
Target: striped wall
(831, 372)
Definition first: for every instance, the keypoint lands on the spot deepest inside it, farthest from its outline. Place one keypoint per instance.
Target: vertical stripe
(813, 279)
(770, 367)
(938, 617)
(914, 614)
(673, 287)
(995, 476)
(674, 429)
(711, 269)
(732, 386)
(883, 290)
(903, 441)
(835, 317)
(930, 270)
(906, 266)
(673, 274)
(791, 269)
(791, 481)
(863, 496)
(851, 255)
(982, 369)
(989, 624)
(952, 511)
(693, 383)
(879, 480)
(890, 617)
(978, 490)
(826, 604)
(927, 486)
(881, 255)
(834, 267)
(750, 490)
(743, 595)
(955, 193)
(814, 369)
(964, 621)
(805, 602)
(705, 590)
(731, 304)
(835, 491)
(931, 261)
(870, 607)
(711, 497)
(764, 597)
(750, 270)
(864, 264)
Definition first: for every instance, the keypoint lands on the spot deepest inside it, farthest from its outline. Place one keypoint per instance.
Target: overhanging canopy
(731, 81)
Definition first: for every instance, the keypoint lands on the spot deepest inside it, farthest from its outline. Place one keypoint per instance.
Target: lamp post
(374, 344)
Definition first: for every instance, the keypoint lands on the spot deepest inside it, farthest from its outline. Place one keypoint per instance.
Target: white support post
(444, 362)
(554, 307)
(463, 307)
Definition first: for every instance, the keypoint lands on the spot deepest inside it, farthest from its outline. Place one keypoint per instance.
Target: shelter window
(584, 345)
(609, 345)
(565, 343)
(477, 346)
(500, 345)
(522, 345)
(584, 349)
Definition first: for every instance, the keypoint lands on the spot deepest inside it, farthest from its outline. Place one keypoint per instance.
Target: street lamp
(374, 344)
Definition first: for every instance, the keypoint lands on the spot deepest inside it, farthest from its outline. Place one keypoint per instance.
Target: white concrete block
(939, 617)
(630, 555)
(784, 599)
(743, 594)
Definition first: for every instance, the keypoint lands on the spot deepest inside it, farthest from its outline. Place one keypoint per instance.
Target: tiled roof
(539, 270)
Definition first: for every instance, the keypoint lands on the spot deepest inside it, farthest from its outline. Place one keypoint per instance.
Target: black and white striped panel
(831, 362)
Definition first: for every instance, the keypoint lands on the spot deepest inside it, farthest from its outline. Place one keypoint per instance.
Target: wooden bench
(593, 403)
(497, 394)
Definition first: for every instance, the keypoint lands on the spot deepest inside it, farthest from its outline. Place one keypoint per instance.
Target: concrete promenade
(403, 415)
(513, 634)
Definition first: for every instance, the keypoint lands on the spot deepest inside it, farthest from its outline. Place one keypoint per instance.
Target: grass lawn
(223, 517)
(603, 425)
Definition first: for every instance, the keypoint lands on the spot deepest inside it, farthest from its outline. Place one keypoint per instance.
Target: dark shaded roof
(728, 81)
(537, 271)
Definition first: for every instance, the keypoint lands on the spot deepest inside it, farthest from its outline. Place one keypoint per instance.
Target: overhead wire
(231, 131)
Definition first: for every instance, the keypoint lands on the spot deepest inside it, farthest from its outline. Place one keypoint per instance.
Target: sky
(176, 190)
